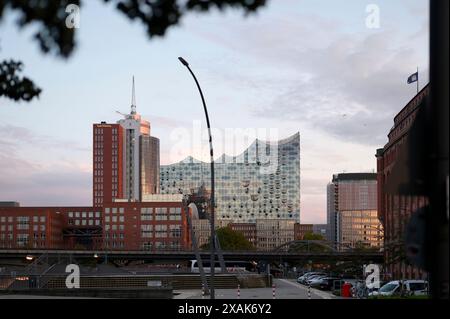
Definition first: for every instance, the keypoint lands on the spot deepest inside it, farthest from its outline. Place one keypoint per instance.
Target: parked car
(324, 283)
(304, 279)
(396, 287)
(372, 288)
(314, 279)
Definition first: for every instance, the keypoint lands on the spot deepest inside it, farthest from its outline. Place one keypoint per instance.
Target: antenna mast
(133, 99)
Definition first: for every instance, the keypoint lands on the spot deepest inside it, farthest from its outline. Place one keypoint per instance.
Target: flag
(413, 78)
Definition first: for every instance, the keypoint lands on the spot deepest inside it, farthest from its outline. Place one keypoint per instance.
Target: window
(146, 214)
(43, 219)
(161, 213)
(22, 240)
(146, 231)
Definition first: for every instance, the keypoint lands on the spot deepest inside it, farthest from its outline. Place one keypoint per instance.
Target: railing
(26, 283)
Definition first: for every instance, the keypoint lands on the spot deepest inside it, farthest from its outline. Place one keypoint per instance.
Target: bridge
(321, 256)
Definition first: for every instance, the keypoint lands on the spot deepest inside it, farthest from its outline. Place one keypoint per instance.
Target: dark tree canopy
(312, 236)
(13, 86)
(54, 37)
(231, 240)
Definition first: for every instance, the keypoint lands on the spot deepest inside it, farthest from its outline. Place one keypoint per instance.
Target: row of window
(114, 227)
(114, 219)
(23, 227)
(114, 210)
(23, 219)
(84, 222)
(84, 214)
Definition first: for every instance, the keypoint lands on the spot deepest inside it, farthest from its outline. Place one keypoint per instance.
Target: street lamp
(213, 235)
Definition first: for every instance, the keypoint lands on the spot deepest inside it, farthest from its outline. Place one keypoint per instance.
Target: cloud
(14, 137)
(348, 85)
(34, 185)
(357, 87)
(51, 182)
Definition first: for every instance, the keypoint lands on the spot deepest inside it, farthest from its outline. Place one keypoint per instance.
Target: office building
(352, 211)
(126, 159)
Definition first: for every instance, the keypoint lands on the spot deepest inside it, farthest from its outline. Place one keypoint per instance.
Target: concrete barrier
(135, 293)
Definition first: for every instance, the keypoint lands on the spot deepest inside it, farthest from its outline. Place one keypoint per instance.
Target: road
(285, 289)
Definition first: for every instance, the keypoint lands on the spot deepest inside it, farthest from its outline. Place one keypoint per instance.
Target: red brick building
(107, 163)
(119, 226)
(30, 228)
(395, 210)
(145, 226)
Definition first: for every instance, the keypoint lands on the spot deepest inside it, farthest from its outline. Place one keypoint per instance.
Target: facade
(352, 211)
(202, 231)
(261, 183)
(150, 225)
(149, 165)
(50, 227)
(246, 229)
(394, 210)
(107, 163)
(158, 224)
(321, 229)
(301, 229)
(360, 228)
(272, 233)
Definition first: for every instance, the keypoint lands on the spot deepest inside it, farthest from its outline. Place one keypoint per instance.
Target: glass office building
(261, 183)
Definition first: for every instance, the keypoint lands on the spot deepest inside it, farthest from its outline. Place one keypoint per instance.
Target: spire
(133, 99)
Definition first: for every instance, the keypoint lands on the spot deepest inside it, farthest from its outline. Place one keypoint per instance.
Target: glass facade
(261, 183)
(149, 165)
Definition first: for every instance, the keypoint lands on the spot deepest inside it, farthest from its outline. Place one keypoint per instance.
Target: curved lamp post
(213, 235)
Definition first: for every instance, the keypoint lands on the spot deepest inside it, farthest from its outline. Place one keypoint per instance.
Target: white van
(414, 287)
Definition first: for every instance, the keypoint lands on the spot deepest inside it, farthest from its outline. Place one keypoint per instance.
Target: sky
(308, 66)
